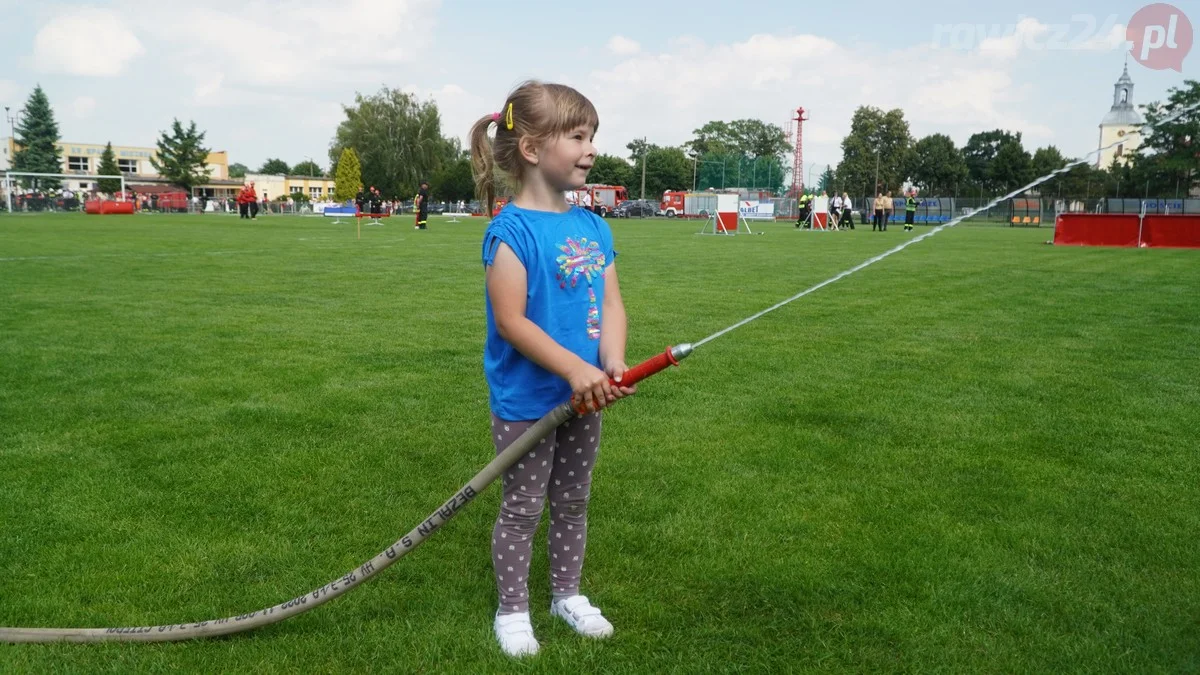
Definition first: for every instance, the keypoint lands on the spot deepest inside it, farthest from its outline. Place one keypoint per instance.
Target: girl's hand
(590, 386)
(617, 371)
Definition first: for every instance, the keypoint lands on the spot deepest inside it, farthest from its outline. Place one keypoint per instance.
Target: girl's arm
(507, 287)
(613, 330)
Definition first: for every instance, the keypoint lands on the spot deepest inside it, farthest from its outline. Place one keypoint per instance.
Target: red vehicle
(680, 204)
(606, 197)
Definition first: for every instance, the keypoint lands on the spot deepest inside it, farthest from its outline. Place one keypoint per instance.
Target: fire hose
(364, 572)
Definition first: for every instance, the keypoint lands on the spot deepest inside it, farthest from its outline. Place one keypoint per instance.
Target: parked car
(636, 208)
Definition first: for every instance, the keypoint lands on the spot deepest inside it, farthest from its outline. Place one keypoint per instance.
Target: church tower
(1116, 126)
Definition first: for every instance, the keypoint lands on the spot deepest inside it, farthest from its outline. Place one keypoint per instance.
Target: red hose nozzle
(655, 364)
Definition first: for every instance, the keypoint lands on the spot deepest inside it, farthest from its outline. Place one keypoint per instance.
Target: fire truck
(679, 204)
(606, 197)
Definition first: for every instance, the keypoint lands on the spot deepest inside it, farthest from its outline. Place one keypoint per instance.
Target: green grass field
(977, 455)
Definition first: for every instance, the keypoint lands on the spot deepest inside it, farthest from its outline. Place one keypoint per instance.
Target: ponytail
(483, 163)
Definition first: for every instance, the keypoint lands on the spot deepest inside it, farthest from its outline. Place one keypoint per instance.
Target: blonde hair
(537, 110)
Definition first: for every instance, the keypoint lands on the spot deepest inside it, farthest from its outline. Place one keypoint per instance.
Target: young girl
(555, 331)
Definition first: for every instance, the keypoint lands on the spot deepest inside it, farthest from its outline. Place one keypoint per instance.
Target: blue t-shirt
(565, 256)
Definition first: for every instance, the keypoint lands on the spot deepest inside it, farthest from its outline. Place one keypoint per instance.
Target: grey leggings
(560, 465)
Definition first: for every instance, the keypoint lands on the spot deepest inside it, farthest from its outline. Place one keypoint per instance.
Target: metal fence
(1017, 212)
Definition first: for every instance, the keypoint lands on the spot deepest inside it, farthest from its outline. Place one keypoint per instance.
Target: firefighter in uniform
(423, 206)
(804, 205)
(910, 210)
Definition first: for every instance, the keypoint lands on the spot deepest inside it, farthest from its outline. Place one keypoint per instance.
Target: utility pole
(644, 168)
(877, 188)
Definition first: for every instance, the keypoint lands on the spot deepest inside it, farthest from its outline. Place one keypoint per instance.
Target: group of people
(885, 206)
(369, 201)
(841, 210)
(247, 201)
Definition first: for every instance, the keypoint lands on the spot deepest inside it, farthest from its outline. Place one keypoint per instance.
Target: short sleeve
(505, 228)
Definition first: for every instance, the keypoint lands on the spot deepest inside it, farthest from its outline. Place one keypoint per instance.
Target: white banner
(757, 210)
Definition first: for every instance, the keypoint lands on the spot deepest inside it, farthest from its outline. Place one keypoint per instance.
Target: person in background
(835, 211)
(889, 206)
(422, 206)
(847, 219)
(252, 198)
(910, 210)
(877, 221)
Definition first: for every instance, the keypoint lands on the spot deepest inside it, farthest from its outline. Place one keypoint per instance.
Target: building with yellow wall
(134, 162)
(272, 185)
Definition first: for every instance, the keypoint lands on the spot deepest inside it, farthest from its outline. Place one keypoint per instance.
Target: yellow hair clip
(508, 121)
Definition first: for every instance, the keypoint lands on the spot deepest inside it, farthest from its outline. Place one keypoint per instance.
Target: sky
(269, 79)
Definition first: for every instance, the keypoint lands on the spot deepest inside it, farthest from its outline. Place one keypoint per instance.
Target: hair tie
(508, 118)
(495, 117)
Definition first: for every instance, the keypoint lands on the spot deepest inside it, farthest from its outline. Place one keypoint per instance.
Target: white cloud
(1028, 31)
(227, 43)
(1029, 34)
(623, 46)
(83, 106)
(85, 41)
(766, 76)
(459, 108)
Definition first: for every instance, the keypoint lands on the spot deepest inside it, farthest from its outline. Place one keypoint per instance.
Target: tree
(108, 167)
(1085, 181)
(307, 168)
(826, 182)
(237, 170)
(182, 157)
(1011, 168)
(398, 139)
(981, 150)
(612, 170)
(1046, 160)
(637, 147)
(878, 142)
(741, 153)
(936, 166)
(348, 179)
(37, 141)
(749, 137)
(1169, 157)
(275, 167)
(666, 169)
(454, 181)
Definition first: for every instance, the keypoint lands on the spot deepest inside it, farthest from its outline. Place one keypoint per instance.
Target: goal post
(10, 175)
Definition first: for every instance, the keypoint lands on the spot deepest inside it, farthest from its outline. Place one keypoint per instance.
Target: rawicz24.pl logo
(1161, 35)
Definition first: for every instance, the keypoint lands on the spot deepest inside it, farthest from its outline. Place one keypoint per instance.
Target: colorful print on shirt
(582, 258)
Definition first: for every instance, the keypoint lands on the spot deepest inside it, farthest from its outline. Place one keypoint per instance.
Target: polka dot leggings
(560, 466)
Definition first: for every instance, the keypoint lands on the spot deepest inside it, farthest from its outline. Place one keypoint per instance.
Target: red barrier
(108, 207)
(1171, 231)
(1096, 229)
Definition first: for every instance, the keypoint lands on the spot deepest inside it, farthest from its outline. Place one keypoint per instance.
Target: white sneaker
(582, 616)
(515, 634)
